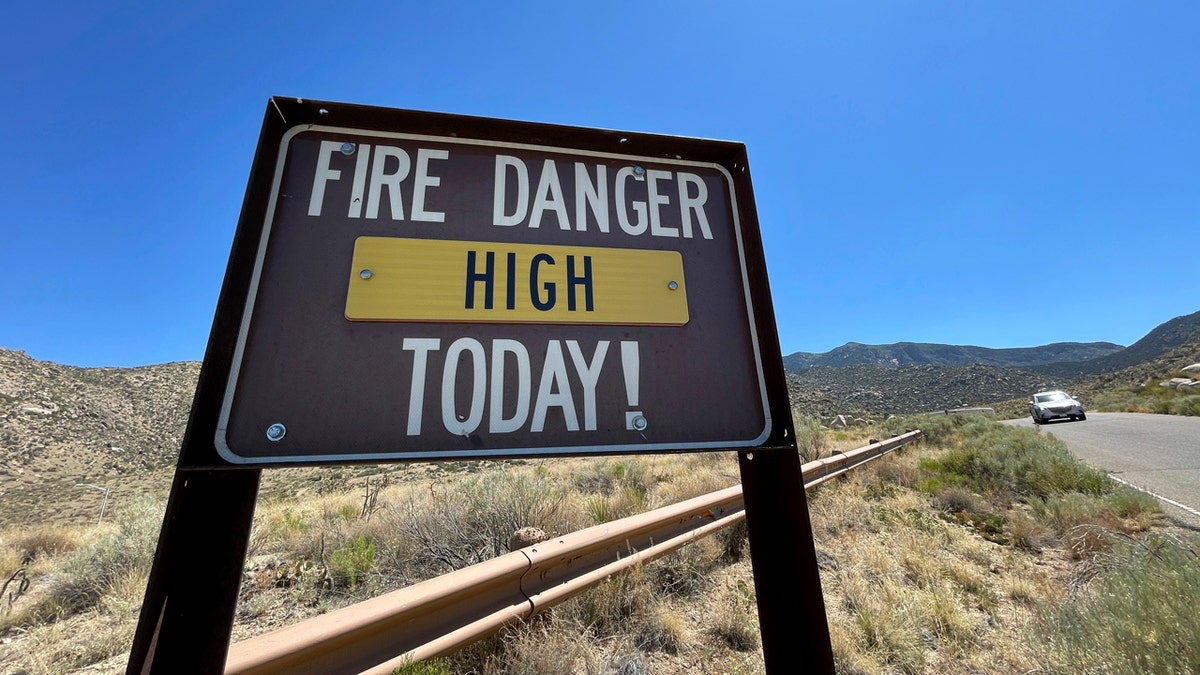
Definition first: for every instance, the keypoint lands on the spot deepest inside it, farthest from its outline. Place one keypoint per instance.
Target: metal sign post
(412, 286)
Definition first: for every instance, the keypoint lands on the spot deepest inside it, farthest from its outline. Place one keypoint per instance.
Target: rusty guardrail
(438, 616)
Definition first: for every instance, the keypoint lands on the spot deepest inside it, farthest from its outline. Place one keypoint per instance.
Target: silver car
(1052, 405)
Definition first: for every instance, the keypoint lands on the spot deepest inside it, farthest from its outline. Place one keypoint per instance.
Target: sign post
(410, 286)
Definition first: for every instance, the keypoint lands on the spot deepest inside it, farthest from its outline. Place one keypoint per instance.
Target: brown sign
(430, 296)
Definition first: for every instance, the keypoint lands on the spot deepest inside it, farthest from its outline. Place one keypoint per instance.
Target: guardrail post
(787, 582)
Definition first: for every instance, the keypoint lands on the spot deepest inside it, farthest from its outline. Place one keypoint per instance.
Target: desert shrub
(733, 541)
(737, 623)
(1054, 471)
(1027, 533)
(1186, 405)
(614, 490)
(1128, 503)
(661, 631)
(350, 563)
(885, 627)
(46, 540)
(946, 618)
(810, 438)
(605, 477)
(505, 502)
(935, 429)
(536, 648)
(1150, 398)
(610, 607)
(1138, 617)
(685, 573)
(453, 526)
(955, 500)
(1001, 461)
(1002, 465)
(891, 471)
(118, 553)
(1122, 510)
(627, 501)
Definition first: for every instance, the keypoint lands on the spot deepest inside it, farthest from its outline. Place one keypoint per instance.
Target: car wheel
(1082, 417)
(1035, 419)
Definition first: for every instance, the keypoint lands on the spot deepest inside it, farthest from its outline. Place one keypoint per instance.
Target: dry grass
(917, 593)
(914, 581)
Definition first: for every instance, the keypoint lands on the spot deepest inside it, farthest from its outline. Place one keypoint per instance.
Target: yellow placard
(397, 279)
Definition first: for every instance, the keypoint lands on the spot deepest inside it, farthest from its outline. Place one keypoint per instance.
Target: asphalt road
(1159, 454)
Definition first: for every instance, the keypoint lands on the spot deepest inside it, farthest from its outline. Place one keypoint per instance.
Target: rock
(630, 664)
(1194, 368)
(838, 422)
(38, 410)
(526, 536)
(1175, 382)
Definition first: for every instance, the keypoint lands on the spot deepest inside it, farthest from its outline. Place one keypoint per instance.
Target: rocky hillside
(62, 425)
(877, 390)
(1156, 369)
(1175, 333)
(919, 353)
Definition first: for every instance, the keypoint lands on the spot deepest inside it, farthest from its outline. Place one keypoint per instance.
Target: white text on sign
(384, 173)
(506, 367)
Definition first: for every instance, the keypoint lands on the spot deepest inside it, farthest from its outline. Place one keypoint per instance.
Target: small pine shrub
(350, 563)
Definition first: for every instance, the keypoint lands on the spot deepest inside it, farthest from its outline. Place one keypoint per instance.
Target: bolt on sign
(442, 287)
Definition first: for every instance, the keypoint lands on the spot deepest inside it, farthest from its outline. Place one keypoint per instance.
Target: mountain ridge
(1163, 338)
(938, 354)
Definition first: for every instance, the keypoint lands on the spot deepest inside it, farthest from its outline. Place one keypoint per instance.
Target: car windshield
(1052, 396)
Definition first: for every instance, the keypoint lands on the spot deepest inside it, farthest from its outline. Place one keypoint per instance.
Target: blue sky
(997, 174)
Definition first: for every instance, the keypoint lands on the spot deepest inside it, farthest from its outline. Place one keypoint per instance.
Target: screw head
(276, 432)
(639, 171)
(673, 285)
(640, 423)
(366, 274)
(348, 149)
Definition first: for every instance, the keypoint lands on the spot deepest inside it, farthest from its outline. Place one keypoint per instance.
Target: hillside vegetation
(62, 425)
(985, 550)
